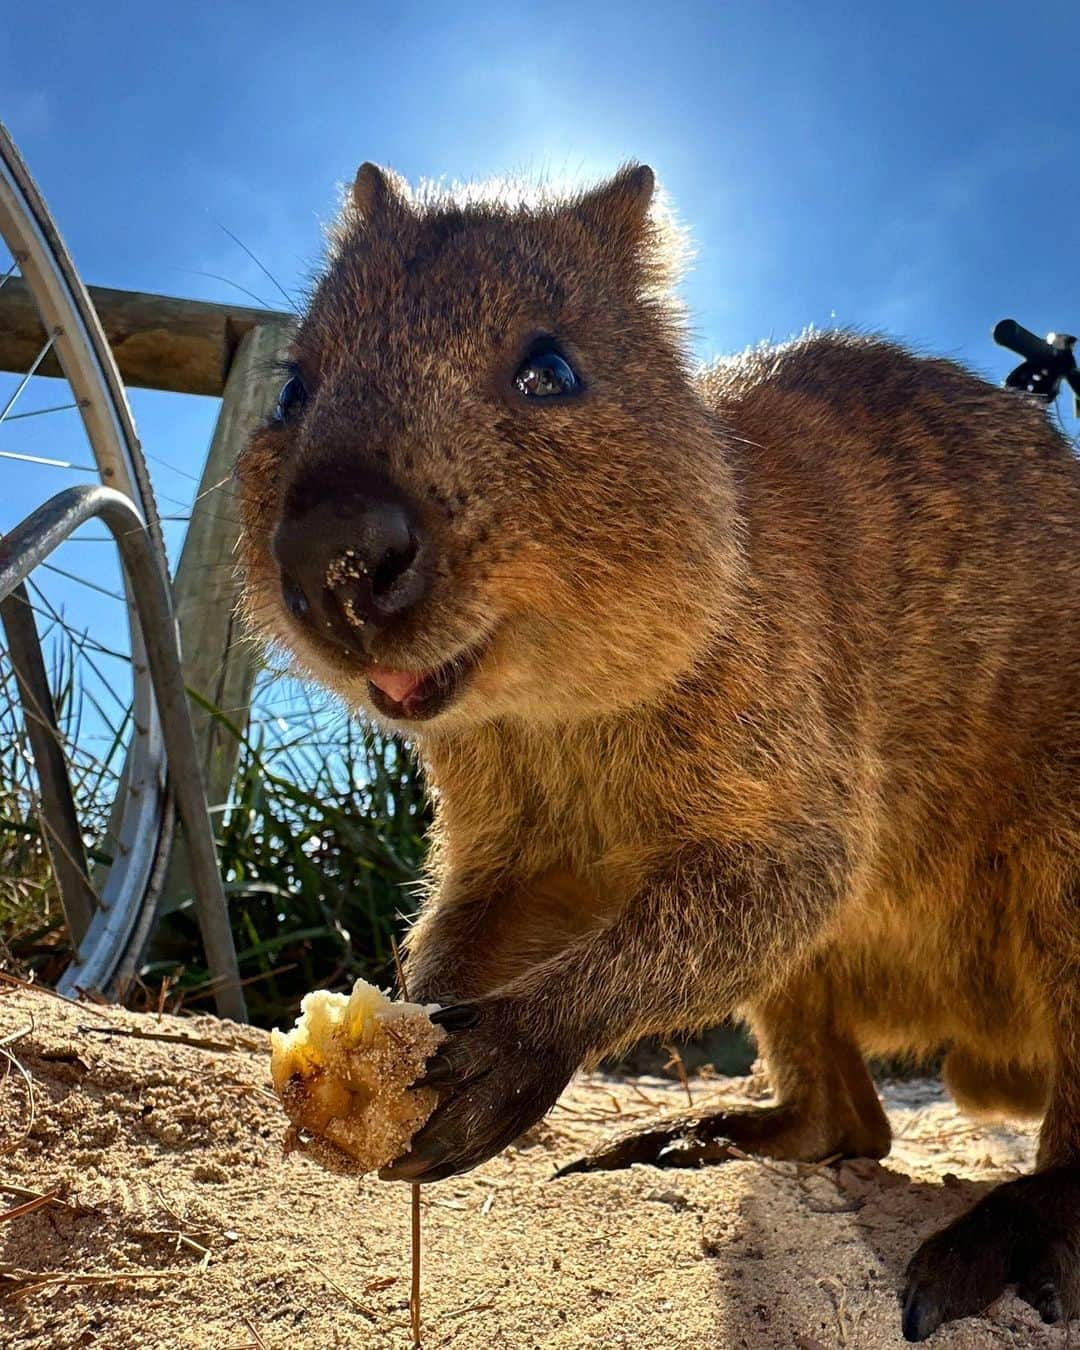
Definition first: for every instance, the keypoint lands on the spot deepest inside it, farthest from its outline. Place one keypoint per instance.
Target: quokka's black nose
(351, 565)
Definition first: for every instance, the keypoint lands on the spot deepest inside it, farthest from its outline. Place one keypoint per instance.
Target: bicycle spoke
(82, 581)
(52, 622)
(82, 650)
(28, 376)
(40, 412)
(48, 463)
(184, 473)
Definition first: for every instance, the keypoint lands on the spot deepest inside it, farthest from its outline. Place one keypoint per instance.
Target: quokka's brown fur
(779, 709)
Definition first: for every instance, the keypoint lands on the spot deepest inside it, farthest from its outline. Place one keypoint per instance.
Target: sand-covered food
(145, 1202)
(343, 1074)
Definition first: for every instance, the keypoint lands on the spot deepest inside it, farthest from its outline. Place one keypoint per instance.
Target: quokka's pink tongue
(395, 684)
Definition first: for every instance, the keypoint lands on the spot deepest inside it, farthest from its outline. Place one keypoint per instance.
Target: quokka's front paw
(1026, 1233)
(496, 1076)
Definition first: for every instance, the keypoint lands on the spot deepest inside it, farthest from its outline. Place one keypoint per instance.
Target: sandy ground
(173, 1220)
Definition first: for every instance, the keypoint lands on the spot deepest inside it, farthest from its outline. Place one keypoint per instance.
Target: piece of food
(343, 1076)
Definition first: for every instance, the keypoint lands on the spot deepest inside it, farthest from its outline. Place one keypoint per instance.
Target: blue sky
(909, 168)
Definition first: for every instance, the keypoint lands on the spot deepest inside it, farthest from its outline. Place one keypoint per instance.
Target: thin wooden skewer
(414, 1290)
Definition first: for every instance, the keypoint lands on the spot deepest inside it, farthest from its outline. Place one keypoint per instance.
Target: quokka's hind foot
(1026, 1232)
(784, 1131)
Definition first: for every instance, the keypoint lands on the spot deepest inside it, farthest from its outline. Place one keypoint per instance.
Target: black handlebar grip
(1008, 333)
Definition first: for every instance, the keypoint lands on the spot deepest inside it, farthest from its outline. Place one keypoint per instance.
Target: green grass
(32, 935)
(320, 846)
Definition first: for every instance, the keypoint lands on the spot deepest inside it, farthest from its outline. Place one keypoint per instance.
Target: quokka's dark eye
(545, 373)
(292, 398)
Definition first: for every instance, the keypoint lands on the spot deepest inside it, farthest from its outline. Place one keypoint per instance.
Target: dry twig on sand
(28, 1083)
(19, 1284)
(255, 1333)
(478, 1306)
(838, 1294)
(676, 1063)
(28, 1206)
(173, 1037)
(361, 1308)
(15, 983)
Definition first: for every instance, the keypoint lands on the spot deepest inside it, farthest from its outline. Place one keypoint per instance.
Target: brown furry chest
(588, 804)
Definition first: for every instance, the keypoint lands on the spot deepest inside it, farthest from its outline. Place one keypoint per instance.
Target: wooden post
(219, 664)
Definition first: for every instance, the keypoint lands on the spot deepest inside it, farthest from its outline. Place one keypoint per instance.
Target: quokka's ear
(373, 192)
(619, 207)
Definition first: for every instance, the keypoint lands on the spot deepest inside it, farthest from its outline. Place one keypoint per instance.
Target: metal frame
(21, 550)
(108, 931)
(142, 815)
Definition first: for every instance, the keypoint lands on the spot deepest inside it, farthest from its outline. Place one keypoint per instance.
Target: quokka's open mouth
(418, 696)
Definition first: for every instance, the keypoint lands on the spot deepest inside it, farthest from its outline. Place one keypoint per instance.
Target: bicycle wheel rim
(142, 819)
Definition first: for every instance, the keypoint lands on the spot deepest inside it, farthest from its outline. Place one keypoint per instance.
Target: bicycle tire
(143, 816)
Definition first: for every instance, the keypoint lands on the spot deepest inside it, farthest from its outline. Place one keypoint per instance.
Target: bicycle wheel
(103, 720)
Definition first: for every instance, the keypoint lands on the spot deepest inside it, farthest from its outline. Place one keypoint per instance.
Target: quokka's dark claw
(457, 1017)
(681, 1144)
(921, 1316)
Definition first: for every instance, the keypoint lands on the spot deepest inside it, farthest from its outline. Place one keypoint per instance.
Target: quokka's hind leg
(826, 1102)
